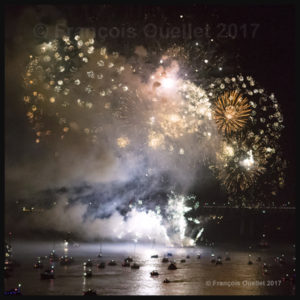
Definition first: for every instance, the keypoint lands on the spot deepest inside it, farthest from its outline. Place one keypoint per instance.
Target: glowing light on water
(66, 247)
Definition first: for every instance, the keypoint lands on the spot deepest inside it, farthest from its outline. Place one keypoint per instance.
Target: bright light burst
(176, 219)
(231, 112)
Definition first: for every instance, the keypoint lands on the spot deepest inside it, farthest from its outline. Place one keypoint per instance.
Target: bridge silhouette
(247, 218)
(227, 210)
(248, 207)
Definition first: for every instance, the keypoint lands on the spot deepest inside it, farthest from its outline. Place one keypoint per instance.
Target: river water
(194, 277)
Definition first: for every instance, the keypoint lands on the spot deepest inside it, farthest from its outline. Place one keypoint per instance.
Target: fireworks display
(76, 90)
(74, 87)
(231, 112)
(145, 139)
(251, 147)
(151, 117)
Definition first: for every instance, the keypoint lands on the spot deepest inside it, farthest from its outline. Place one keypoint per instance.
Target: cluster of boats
(14, 292)
(65, 260)
(126, 263)
(217, 261)
(9, 262)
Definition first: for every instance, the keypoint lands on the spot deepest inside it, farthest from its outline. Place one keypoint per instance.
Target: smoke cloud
(114, 129)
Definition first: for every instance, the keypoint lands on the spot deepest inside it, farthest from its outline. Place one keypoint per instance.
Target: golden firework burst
(240, 178)
(240, 163)
(231, 112)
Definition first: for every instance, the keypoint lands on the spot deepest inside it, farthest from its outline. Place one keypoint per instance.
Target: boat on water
(66, 260)
(101, 265)
(166, 281)
(265, 266)
(8, 251)
(135, 266)
(213, 260)
(291, 278)
(90, 292)
(112, 263)
(88, 273)
(126, 263)
(38, 264)
(154, 273)
(100, 251)
(8, 265)
(165, 260)
(129, 259)
(219, 261)
(88, 263)
(14, 292)
(48, 274)
(183, 261)
(172, 266)
(9, 262)
(250, 261)
(53, 256)
(263, 243)
(154, 256)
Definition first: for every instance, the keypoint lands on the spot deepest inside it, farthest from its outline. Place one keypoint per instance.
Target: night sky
(269, 56)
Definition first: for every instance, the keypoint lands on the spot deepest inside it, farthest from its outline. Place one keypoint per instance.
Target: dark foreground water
(194, 277)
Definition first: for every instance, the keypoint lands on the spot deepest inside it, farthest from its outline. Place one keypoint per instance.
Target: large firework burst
(239, 165)
(252, 149)
(231, 112)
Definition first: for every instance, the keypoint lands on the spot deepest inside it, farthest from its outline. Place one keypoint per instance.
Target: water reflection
(190, 278)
